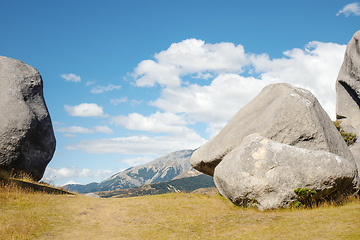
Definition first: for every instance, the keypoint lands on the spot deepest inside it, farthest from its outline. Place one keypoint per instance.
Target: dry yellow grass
(170, 216)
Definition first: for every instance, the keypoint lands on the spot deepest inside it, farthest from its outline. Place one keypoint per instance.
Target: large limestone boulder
(348, 88)
(280, 112)
(266, 173)
(27, 141)
(355, 150)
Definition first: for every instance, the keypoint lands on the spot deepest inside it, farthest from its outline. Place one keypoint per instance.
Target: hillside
(159, 170)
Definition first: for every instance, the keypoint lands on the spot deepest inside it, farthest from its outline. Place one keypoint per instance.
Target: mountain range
(171, 166)
(202, 184)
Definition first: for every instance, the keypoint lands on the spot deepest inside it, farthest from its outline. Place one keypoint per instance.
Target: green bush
(349, 138)
(305, 197)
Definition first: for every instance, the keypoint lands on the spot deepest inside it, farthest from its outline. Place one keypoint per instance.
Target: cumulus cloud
(315, 67)
(68, 135)
(117, 101)
(71, 77)
(89, 83)
(138, 160)
(352, 8)
(134, 102)
(138, 145)
(101, 89)
(156, 123)
(213, 104)
(74, 129)
(103, 129)
(60, 174)
(191, 56)
(77, 129)
(85, 110)
(206, 83)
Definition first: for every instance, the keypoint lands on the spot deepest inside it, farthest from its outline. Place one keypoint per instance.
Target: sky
(126, 82)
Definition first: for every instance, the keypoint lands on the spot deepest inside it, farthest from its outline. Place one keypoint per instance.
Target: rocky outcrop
(27, 141)
(282, 113)
(266, 173)
(348, 88)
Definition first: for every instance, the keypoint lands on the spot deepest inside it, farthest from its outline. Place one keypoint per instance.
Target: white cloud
(71, 77)
(74, 129)
(138, 145)
(315, 68)
(225, 91)
(89, 83)
(149, 72)
(59, 174)
(68, 135)
(134, 102)
(117, 101)
(352, 8)
(191, 56)
(138, 160)
(156, 123)
(101, 89)
(213, 104)
(103, 129)
(77, 129)
(85, 110)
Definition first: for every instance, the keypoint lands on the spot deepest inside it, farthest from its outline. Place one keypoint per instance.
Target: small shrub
(305, 197)
(349, 138)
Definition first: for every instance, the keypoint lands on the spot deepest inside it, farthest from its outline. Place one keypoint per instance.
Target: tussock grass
(26, 208)
(29, 215)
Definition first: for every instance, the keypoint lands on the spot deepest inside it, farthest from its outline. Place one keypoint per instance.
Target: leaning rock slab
(27, 141)
(265, 173)
(348, 87)
(355, 149)
(281, 112)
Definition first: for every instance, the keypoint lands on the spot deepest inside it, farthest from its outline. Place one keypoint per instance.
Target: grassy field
(29, 215)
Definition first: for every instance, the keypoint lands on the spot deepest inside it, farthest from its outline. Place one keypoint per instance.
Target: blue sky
(128, 81)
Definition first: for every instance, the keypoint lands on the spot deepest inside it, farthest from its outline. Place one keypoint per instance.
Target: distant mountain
(161, 169)
(203, 183)
(82, 188)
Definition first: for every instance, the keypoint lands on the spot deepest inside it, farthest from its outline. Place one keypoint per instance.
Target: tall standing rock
(282, 113)
(27, 141)
(348, 87)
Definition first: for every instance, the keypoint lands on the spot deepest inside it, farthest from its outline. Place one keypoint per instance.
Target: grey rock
(265, 173)
(27, 141)
(355, 149)
(348, 87)
(281, 112)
